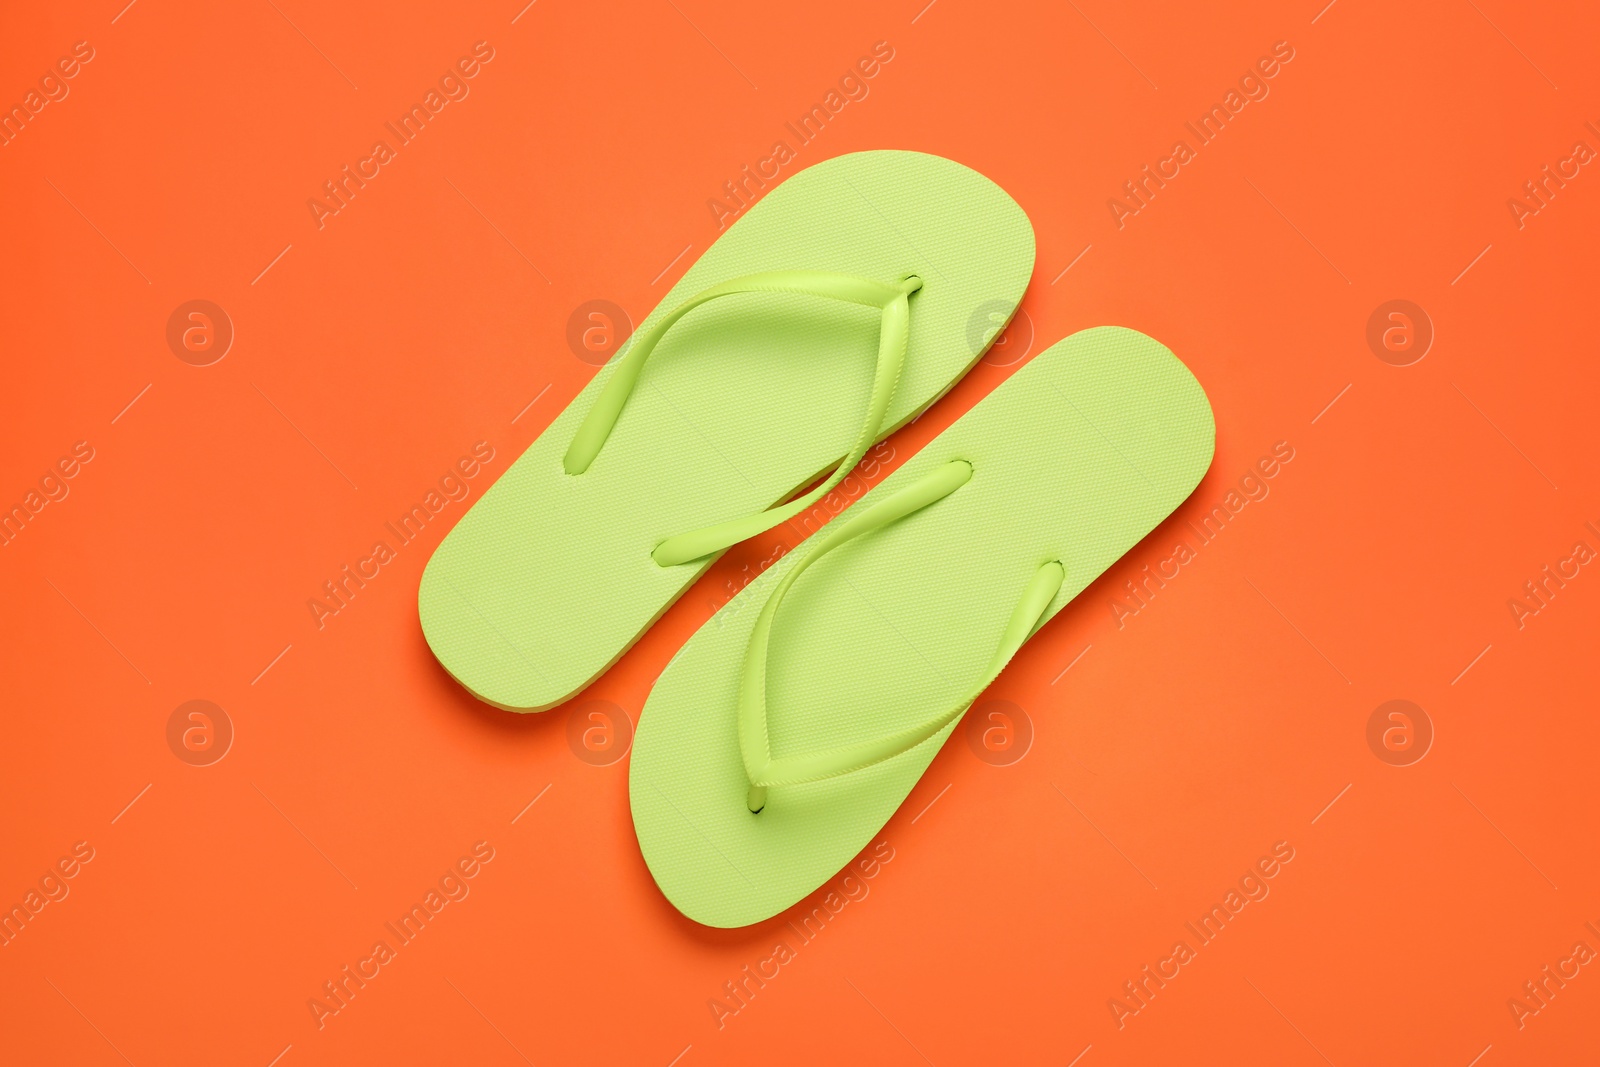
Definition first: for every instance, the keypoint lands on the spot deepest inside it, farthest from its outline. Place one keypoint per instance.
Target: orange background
(1222, 718)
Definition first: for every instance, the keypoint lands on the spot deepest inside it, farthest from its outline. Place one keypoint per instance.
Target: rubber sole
(1075, 458)
(548, 579)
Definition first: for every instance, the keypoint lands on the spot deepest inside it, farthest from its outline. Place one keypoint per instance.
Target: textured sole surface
(1076, 457)
(548, 579)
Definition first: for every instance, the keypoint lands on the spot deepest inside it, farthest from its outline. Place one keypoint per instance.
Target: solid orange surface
(1187, 825)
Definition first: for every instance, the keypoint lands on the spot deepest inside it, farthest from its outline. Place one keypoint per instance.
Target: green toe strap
(893, 334)
(761, 768)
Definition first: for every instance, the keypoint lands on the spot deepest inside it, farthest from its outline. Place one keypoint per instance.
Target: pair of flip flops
(791, 727)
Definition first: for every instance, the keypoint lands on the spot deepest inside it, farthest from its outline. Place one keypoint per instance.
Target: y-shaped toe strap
(893, 333)
(761, 768)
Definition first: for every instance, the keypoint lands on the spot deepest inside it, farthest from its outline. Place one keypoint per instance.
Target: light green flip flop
(781, 739)
(840, 306)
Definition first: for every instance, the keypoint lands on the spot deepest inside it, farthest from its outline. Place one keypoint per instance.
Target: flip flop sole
(1075, 458)
(548, 579)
